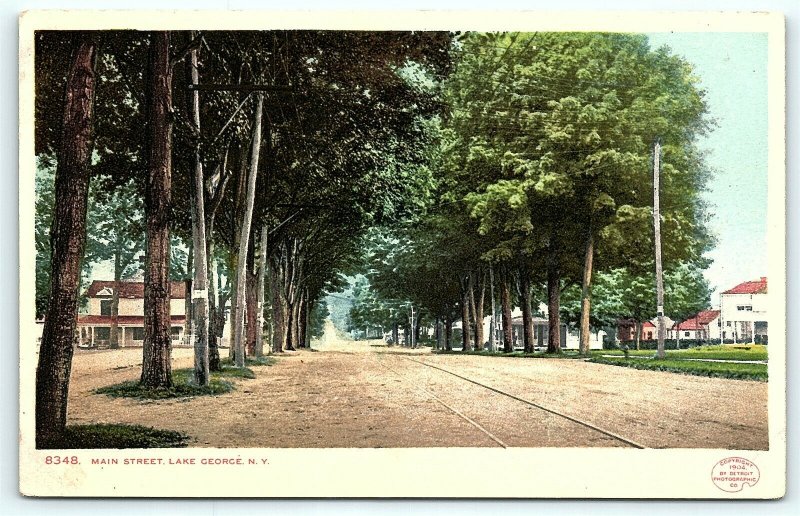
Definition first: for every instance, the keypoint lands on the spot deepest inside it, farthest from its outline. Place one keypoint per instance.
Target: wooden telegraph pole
(657, 226)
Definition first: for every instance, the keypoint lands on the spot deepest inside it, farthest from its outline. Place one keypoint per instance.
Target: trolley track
(592, 427)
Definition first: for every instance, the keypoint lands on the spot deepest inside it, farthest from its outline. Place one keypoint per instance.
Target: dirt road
(363, 394)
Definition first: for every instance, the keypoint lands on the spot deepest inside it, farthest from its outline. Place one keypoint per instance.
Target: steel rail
(455, 411)
(533, 404)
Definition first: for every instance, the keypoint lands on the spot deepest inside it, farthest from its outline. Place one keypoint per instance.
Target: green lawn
(725, 352)
(117, 436)
(182, 386)
(732, 370)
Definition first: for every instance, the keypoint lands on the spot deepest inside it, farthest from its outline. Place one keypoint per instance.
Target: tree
(68, 237)
(157, 350)
(570, 124)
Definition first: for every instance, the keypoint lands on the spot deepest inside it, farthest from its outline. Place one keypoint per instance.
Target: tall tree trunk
(395, 334)
(638, 329)
(278, 319)
(437, 332)
(233, 259)
(67, 242)
(553, 305)
(306, 328)
(114, 337)
(213, 303)
(262, 274)
(505, 302)
(245, 236)
(493, 320)
(252, 330)
(527, 315)
(479, 338)
(157, 352)
(466, 338)
(289, 330)
(301, 321)
(200, 283)
(188, 325)
(586, 295)
(417, 328)
(448, 332)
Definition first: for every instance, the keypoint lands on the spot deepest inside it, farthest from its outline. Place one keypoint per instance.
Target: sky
(732, 68)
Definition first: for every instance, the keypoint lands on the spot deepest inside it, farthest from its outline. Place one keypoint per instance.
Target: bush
(117, 436)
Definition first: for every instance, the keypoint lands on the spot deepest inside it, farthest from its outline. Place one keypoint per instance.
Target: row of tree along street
(541, 192)
(443, 165)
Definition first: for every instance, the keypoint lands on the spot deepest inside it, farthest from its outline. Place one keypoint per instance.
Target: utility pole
(657, 225)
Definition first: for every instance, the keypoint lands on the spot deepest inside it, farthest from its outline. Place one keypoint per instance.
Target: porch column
(122, 343)
(92, 332)
(753, 332)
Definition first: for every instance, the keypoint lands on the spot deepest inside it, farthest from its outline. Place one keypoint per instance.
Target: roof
(132, 289)
(750, 287)
(699, 321)
(124, 320)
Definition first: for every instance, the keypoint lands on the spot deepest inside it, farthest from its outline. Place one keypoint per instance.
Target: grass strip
(182, 385)
(750, 352)
(117, 436)
(730, 370)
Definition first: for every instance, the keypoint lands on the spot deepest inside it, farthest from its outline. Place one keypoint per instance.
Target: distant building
(704, 325)
(94, 328)
(743, 312)
(626, 329)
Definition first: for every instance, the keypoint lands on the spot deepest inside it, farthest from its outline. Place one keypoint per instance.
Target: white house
(94, 328)
(743, 312)
(704, 325)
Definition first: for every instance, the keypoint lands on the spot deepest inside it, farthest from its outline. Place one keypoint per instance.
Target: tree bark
(200, 282)
(278, 318)
(448, 332)
(157, 351)
(505, 302)
(586, 295)
(395, 334)
(67, 242)
(479, 338)
(493, 320)
(466, 338)
(553, 305)
(262, 274)
(301, 320)
(638, 330)
(245, 236)
(251, 301)
(114, 338)
(213, 304)
(527, 312)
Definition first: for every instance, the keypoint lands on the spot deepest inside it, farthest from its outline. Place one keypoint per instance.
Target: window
(102, 333)
(105, 307)
(686, 334)
(729, 324)
(138, 333)
(176, 333)
(744, 308)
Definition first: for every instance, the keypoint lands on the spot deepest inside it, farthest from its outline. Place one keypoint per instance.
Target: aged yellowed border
(507, 473)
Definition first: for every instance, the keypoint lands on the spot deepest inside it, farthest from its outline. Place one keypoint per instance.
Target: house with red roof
(744, 312)
(703, 325)
(94, 327)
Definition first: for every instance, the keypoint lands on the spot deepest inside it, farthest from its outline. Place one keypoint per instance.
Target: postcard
(402, 254)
